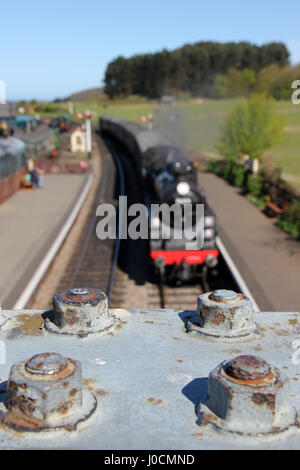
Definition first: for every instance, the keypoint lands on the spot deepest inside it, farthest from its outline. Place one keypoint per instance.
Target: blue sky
(51, 49)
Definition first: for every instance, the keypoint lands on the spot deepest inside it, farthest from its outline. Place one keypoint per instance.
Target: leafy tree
(276, 81)
(281, 86)
(235, 83)
(221, 86)
(241, 82)
(192, 68)
(251, 128)
(266, 78)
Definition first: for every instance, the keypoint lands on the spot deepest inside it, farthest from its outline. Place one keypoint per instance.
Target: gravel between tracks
(50, 283)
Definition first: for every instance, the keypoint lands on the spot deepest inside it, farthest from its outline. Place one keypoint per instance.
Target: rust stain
(120, 325)
(207, 418)
(237, 370)
(180, 361)
(101, 392)
(25, 404)
(30, 324)
(63, 409)
(205, 311)
(89, 384)
(154, 401)
(283, 332)
(198, 434)
(276, 428)
(257, 381)
(232, 312)
(73, 392)
(143, 313)
(218, 319)
(293, 321)
(149, 322)
(93, 297)
(19, 421)
(70, 427)
(264, 398)
(176, 339)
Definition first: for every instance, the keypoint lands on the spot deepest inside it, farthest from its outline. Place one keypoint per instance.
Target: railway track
(135, 282)
(94, 261)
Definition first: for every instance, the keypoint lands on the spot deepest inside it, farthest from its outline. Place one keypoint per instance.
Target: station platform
(267, 258)
(29, 223)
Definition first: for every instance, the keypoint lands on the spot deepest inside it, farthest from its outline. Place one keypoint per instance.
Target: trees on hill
(191, 68)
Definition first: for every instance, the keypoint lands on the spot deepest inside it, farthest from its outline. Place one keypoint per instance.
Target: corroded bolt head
(223, 295)
(80, 311)
(247, 368)
(46, 386)
(81, 296)
(46, 364)
(79, 291)
(225, 314)
(249, 396)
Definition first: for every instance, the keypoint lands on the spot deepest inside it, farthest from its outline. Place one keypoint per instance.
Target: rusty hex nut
(80, 311)
(45, 387)
(249, 396)
(225, 313)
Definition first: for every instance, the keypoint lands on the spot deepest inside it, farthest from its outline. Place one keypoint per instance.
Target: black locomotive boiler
(170, 180)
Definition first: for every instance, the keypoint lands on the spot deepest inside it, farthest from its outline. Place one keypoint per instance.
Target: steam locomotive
(170, 181)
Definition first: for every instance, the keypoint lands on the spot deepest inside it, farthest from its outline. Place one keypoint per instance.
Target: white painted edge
(236, 274)
(46, 261)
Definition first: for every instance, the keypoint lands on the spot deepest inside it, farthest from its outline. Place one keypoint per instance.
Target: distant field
(125, 109)
(201, 122)
(198, 123)
(286, 154)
